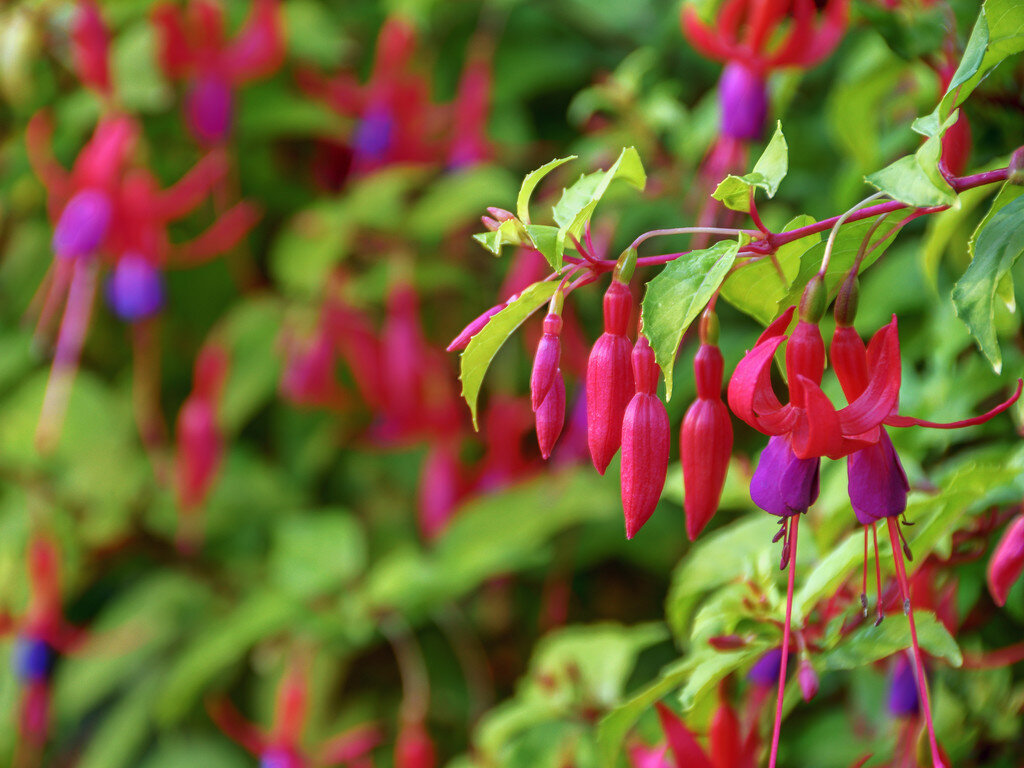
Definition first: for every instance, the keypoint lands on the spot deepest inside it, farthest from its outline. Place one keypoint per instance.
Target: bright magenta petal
(880, 398)
(819, 434)
(750, 388)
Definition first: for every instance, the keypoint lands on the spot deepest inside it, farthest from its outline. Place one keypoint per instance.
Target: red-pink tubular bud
(705, 442)
(618, 306)
(645, 445)
(440, 488)
(550, 415)
(414, 749)
(1007, 561)
(90, 43)
(805, 356)
(645, 370)
(545, 363)
(462, 340)
(609, 389)
(808, 679)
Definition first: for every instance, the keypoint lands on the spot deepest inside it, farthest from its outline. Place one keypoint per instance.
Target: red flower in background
(194, 48)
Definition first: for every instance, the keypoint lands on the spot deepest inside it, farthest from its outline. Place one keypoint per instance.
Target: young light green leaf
(545, 239)
(678, 294)
(507, 233)
(579, 201)
(533, 178)
(758, 288)
(916, 179)
(769, 171)
(995, 247)
(485, 345)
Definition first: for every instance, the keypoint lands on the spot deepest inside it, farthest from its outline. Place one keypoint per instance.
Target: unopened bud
(1017, 167)
(708, 328)
(500, 214)
(814, 300)
(808, 679)
(846, 301)
(625, 266)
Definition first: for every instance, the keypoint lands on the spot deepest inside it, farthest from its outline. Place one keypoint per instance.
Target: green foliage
(769, 171)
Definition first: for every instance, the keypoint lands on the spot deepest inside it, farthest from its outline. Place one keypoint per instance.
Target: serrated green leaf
(485, 344)
(869, 643)
(545, 239)
(758, 288)
(997, 244)
(769, 171)
(507, 233)
(533, 178)
(678, 294)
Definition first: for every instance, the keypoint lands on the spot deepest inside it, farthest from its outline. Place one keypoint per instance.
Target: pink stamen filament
(794, 523)
(878, 575)
(922, 682)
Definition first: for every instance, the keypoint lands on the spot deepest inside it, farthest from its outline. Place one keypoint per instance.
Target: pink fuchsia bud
(90, 43)
(1007, 561)
(645, 442)
(550, 416)
(208, 107)
(466, 334)
(743, 102)
(545, 363)
(414, 749)
(705, 442)
(440, 489)
(1016, 167)
(808, 679)
(609, 378)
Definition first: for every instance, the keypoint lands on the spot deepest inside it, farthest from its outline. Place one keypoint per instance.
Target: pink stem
(793, 525)
(922, 682)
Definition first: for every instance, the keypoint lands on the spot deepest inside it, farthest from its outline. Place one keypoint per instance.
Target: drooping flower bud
(414, 749)
(808, 679)
(609, 378)
(545, 363)
(1007, 561)
(743, 101)
(462, 340)
(705, 442)
(645, 442)
(550, 416)
(1016, 175)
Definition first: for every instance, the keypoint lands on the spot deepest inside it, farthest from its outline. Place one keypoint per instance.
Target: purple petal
(782, 484)
(33, 659)
(372, 139)
(135, 289)
(743, 101)
(903, 699)
(878, 485)
(83, 224)
(766, 669)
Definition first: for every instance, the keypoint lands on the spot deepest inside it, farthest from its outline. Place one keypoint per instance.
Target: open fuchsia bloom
(195, 48)
(281, 746)
(42, 635)
(1007, 561)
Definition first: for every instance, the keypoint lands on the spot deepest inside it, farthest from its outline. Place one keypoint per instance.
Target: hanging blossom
(43, 635)
(808, 427)
(281, 746)
(194, 48)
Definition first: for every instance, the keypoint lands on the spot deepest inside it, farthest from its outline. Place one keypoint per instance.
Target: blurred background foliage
(545, 635)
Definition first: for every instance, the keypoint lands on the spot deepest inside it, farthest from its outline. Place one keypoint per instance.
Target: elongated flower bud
(609, 378)
(645, 443)
(805, 356)
(414, 749)
(439, 491)
(808, 679)
(545, 363)
(1007, 561)
(462, 340)
(550, 416)
(705, 442)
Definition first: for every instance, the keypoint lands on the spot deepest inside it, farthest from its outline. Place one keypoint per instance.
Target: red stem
(793, 525)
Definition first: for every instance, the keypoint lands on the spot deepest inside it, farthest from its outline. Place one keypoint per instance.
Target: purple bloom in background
(209, 105)
(373, 135)
(279, 758)
(878, 485)
(83, 224)
(742, 101)
(783, 484)
(136, 288)
(766, 669)
(903, 697)
(33, 659)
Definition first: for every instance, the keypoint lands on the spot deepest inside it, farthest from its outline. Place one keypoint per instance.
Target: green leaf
(578, 202)
(769, 171)
(315, 554)
(453, 200)
(533, 178)
(757, 288)
(255, 367)
(124, 731)
(506, 233)
(678, 294)
(546, 240)
(484, 345)
(916, 179)
(869, 643)
(995, 247)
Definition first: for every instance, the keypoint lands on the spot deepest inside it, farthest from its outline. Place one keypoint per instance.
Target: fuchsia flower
(609, 377)
(1007, 562)
(193, 47)
(42, 635)
(705, 438)
(645, 442)
(281, 746)
(90, 45)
